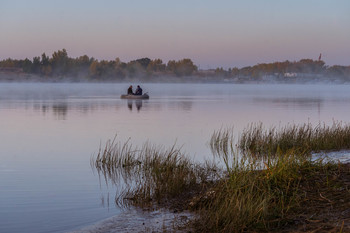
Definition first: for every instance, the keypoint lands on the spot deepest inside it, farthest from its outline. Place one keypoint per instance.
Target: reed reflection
(148, 174)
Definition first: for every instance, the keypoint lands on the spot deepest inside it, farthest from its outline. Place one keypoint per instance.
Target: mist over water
(50, 131)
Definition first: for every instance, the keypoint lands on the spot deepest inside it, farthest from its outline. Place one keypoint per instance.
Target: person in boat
(138, 90)
(130, 92)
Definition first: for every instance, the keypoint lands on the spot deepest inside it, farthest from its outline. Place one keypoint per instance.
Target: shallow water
(50, 131)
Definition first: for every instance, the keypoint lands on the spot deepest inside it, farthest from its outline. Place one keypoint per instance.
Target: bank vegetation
(60, 67)
(268, 182)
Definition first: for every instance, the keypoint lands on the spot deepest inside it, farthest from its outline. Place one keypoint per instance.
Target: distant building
(290, 75)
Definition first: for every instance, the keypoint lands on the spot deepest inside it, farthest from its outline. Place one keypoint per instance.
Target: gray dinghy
(135, 97)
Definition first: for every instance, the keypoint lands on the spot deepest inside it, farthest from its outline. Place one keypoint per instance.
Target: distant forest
(61, 67)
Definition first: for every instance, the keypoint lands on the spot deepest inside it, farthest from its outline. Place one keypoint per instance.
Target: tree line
(60, 65)
(304, 68)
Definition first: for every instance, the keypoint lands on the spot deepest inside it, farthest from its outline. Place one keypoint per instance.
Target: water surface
(50, 131)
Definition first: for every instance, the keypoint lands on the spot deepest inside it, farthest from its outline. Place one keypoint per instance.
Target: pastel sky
(220, 33)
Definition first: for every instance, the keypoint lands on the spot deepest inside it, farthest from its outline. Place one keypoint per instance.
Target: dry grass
(256, 193)
(301, 138)
(259, 188)
(152, 174)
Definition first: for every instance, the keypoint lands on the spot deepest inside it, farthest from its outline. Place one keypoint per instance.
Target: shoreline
(13, 77)
(325, 207)
(323, 210)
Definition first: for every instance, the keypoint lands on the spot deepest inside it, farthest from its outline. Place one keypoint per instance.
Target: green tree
(27, 65)
(60, 62)
(46, 68)
(144, 62)
(36, 65)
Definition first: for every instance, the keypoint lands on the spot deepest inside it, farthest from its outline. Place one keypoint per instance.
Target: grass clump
(250, 192)
(291, 194)
(265, 193)
(254, 194)
(303, 139)
(151, 173)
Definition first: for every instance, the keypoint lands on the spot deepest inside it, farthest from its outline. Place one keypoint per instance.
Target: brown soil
(324, 202)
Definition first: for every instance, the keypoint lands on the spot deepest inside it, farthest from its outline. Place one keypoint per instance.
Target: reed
(250, 193)
(303, 139)
(255, 192)
(260, 200)
(151, 173)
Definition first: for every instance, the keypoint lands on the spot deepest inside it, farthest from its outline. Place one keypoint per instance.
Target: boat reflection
(138, 104)
(60, 110)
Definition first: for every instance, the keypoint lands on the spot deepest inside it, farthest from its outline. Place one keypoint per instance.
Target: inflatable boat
(135, 97)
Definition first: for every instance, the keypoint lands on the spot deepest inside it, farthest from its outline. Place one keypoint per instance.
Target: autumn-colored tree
(8, 63)
(233, 72)
(339, 72)
(221, 72)
(171, 66)
(156, 66)
(93, 69)
(184, 67)
(62, 65)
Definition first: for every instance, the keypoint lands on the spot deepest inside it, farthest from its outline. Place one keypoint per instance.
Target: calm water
(50, 131)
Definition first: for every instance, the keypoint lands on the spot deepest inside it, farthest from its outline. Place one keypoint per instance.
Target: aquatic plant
(303, 139)
(152, 173)
(266, 199)
(256, 193)
(261, 184)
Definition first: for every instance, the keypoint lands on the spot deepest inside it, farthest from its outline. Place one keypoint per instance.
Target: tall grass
(301, 138)
(252, 192)
(256, 192)
(259, 192)
(258, 200)
(152, 173)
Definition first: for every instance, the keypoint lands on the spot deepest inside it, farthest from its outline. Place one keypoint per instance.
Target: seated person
(130, 90)
(138, 90)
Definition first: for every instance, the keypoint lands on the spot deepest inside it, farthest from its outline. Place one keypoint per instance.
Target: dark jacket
(138, 91)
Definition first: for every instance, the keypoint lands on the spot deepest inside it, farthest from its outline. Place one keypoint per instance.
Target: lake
(50, 131)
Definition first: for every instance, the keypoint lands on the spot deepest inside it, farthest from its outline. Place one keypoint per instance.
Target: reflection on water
(60, 110)
(137, 103)
(50, 131)
(184, 104)
(302, 102)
